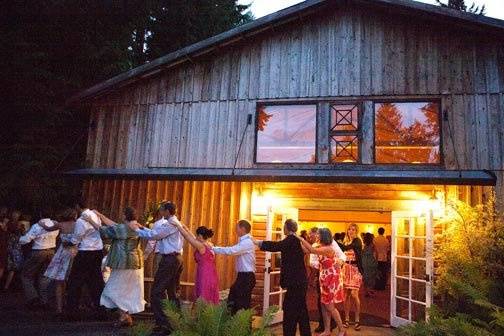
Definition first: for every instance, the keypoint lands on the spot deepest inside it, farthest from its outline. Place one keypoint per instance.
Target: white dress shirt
(152, 244)
(85, 235)
(168, 236)
(245, 252)
(338, 254)
(41, 238)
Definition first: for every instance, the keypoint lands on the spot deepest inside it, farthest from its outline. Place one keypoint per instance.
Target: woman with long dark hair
(207, 281)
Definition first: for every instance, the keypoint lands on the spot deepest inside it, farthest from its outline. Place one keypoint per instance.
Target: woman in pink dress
(207, 281)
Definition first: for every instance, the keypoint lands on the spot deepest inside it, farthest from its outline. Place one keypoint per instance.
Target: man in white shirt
(44, 243)
(86, 267)
(167, 278)
(240, 294)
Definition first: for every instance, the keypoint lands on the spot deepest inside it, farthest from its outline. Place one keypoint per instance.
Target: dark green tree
(52, 49)
(460, 5)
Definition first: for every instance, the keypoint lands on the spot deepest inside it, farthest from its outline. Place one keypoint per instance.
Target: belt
(173, 254)
(352, 262)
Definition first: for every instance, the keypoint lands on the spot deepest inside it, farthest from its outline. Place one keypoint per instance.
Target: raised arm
(56, 225)
(324, 250)
(188, 235)
(105, 220)
(91, 221)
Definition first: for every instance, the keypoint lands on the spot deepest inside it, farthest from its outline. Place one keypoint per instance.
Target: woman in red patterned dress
(352, 273)
(331, 282)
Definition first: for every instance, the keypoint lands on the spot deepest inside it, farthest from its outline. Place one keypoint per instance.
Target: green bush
(469, 284)
(212, 320)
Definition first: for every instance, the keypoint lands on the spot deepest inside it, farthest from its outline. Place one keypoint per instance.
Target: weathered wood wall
(193, 114)
(215, 205)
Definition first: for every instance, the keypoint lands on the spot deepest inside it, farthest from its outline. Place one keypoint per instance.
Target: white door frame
(396, 321)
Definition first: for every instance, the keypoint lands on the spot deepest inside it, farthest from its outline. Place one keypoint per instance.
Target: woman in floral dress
(61, 263)
(331, 283)
(352, 273)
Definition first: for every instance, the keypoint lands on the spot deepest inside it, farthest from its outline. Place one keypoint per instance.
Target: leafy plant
(141, 329)
(213, 320)
(470, 281)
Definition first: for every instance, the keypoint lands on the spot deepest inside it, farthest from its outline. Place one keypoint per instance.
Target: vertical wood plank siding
(215, 205)
(194, 114)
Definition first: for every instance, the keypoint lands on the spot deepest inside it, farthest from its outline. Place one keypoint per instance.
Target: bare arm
(184, 230)
(324, 250)
(56, 226)
(92, 222)
(105, 220)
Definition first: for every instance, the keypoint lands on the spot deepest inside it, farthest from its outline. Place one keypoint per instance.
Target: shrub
(213, 320)
(469, 286)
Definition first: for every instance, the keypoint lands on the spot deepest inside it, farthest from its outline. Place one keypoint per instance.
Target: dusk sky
(494, 8)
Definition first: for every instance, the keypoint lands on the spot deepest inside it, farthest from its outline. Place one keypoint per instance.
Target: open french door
(273, 293)
(412, 267)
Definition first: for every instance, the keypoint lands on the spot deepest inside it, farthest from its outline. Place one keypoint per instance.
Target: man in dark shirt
(292, 278)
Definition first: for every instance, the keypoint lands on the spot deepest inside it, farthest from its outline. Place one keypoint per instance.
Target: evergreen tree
(460, 5)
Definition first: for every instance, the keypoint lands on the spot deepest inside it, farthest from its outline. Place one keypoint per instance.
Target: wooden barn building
(376, 112)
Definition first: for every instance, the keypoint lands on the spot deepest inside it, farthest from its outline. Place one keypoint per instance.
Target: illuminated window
(407, 132)
(286, 134)
(344, 133)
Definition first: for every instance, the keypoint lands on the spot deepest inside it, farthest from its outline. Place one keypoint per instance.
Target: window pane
(407, 133)
(344, 148)
(286, 133)
(344, 117)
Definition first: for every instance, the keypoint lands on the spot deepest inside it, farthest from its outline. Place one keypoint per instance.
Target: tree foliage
(460, 5)
(54, 48)
(470, 283)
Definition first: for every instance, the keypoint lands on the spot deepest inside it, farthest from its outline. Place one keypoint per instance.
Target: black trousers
(86, 271)
(166, 282)
(381, 282)
(240, 294)
(295, 312)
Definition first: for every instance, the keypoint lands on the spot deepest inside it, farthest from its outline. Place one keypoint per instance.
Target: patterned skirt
(61, 263)
(352, 279)
(331, 285)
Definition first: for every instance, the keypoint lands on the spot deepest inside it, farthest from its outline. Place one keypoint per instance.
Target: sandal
(346, 323)
(357, 326)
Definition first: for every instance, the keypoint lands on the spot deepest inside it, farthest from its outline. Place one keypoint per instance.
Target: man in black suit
(292, 278)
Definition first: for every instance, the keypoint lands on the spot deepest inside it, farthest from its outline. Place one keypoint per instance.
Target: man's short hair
(314, 229)
(291, 225)
(244, 224)
(170, 207)
(381, 231)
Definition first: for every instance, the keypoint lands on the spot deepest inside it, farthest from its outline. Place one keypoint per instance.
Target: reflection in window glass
(344, 148)
(407, 133)
(286, 133)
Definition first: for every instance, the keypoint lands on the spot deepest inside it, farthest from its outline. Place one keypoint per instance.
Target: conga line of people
(337, 266)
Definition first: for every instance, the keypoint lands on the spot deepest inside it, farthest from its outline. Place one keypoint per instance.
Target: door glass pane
(402, 246)
(286, 133)
(418, 289)
(403, 227)
(418, 248)
(419, 269)
(417, 312)
(402, 288)
(274, 282)
(274, 300)
(402, 265)
(420, 227)
(402, 308)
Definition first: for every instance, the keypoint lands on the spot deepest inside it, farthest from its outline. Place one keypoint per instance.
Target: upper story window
(407, 132)
(344, 133)
(286, 134)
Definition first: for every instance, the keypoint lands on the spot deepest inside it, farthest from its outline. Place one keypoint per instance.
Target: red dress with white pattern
(331, 281)
(352, 278)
